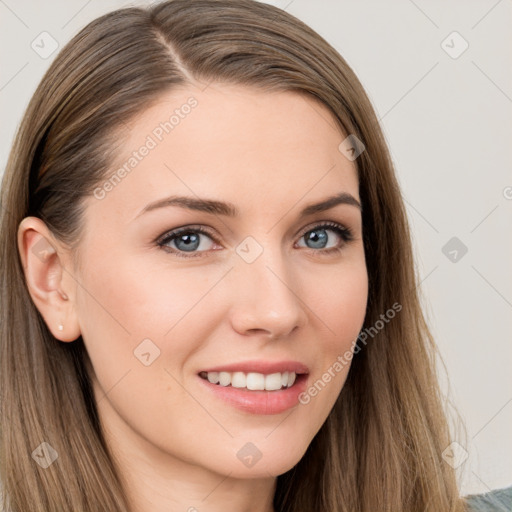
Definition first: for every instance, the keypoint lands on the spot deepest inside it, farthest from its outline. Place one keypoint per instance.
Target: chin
(264, 459)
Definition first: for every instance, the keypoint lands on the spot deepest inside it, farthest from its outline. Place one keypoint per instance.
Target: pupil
(319, 240)
(190, 241)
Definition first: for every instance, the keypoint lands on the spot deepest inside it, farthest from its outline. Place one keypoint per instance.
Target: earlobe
(48, 280)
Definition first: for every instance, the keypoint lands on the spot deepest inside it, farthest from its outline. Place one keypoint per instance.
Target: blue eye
(190, 241)
(185, 240)
(318, 237)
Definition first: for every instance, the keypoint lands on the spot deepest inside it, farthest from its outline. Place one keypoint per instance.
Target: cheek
(123, 304)
(140, 329)
(337, 298)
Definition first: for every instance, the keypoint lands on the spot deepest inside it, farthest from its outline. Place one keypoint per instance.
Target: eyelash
(345, 234)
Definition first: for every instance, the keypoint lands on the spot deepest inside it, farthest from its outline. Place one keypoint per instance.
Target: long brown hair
(381, 447)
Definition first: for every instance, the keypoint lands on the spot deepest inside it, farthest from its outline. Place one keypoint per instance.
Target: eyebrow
(230, 210)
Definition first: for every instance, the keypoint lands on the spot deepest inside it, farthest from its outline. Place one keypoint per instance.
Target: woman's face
(264, 288)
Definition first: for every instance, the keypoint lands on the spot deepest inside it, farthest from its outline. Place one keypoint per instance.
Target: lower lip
(259, 402)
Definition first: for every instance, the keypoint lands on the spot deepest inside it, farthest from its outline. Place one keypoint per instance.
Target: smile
(251, 381)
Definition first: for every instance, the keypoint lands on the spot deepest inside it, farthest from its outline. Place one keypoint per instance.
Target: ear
(49, 280)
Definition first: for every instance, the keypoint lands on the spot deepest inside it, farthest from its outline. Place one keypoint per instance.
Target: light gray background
(449, 127)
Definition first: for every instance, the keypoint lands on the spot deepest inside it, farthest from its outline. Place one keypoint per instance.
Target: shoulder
(498, 500)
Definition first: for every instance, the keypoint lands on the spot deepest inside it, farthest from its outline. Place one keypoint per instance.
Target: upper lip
(265, 367)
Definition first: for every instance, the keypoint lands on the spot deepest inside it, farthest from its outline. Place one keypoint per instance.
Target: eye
(318, 237)
(189, 239)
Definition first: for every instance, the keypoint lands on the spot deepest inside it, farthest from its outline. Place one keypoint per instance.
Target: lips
(260, 366)
(261, 402)
(280, 397)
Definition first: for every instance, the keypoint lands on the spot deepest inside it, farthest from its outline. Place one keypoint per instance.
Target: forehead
(235, 143)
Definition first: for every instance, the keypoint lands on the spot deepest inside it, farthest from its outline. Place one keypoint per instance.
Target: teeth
(213, 377)
(253, 381)
(224, 378)
(238, 380)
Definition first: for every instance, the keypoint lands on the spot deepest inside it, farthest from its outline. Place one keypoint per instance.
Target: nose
(266, 299)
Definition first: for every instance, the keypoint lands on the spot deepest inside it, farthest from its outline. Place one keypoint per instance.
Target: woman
(209, 298)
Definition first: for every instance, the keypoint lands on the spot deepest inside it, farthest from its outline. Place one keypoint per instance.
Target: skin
(270, 154)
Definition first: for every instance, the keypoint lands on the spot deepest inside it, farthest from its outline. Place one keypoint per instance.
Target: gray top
(498, 500)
